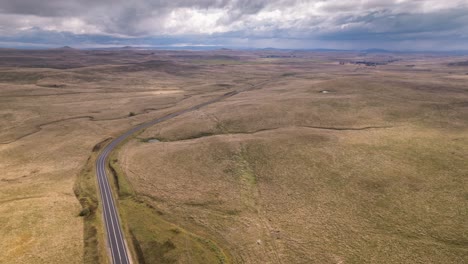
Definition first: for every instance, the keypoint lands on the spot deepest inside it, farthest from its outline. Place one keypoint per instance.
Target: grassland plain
(372, 170)
(53, 113)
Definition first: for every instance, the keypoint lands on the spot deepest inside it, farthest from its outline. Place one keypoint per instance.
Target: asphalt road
(115, 236)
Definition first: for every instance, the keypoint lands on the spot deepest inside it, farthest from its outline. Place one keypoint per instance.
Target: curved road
(115, 237)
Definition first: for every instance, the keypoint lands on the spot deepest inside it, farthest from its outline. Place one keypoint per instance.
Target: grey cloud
(389, 25)
(310, 21)
(124, 17)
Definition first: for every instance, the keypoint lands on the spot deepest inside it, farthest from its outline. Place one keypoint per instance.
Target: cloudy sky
(335, 24)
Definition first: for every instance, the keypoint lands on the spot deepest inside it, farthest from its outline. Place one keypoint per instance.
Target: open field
(310, 162)
(374, 171)
(50, 121)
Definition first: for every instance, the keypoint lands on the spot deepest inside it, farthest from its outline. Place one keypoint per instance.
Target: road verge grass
(86, 191)
(151, 238)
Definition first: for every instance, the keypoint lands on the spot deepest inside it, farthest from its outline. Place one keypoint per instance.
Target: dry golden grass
(300, 195)
(50, 119)
(262, 177)
(371, 172)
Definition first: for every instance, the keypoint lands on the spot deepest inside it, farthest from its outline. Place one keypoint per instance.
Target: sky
(290, 24)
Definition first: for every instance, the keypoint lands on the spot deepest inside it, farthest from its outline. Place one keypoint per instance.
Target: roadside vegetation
(371, 171)
(152, 238)
(86, 190)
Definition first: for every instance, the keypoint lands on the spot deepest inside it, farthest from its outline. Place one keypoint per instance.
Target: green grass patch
(153, 239)
(159, 241)
(149, 139)
(123, 186)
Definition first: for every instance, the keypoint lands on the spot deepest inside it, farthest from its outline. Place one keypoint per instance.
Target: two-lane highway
(115, 237)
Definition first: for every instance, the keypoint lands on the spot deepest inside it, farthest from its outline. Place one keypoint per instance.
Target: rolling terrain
(272, 157)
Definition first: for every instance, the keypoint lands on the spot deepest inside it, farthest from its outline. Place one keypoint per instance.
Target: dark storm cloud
(243, 21)
(384, 24)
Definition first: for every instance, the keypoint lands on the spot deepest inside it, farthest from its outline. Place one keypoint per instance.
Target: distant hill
(65, 48)
(459, 63)
(377, 51)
